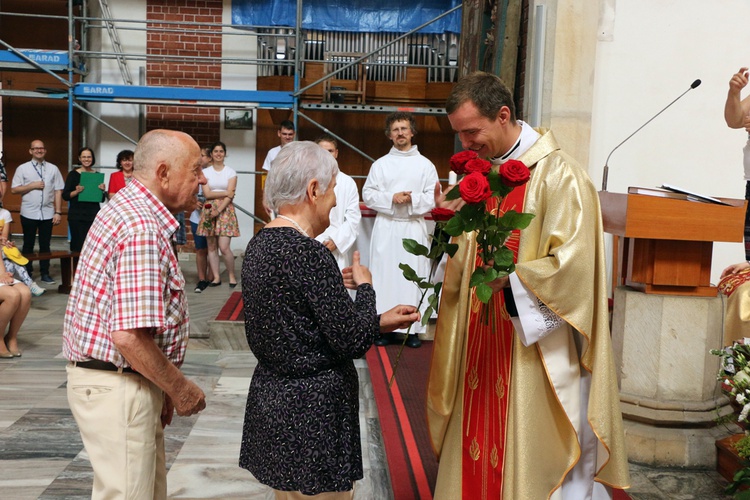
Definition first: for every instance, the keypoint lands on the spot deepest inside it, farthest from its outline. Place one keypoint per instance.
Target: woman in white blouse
(219, 220)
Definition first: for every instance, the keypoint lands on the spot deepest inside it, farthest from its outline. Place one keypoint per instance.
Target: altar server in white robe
(400, 189)
(341, 236)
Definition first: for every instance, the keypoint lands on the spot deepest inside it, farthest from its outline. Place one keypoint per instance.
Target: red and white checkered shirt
(128, 277)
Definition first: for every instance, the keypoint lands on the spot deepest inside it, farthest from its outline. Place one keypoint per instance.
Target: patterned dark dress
(301, 428)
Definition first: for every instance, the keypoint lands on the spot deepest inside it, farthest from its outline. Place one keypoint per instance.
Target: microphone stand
(606, 163)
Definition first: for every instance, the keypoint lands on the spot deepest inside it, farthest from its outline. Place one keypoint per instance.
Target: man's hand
(167, 411)
(402, 197)
(399, 317)
(735, 268)
(498, 284)
(56, 219)
(330, 245)
(36, 185)
(356, 274)
(189, 400)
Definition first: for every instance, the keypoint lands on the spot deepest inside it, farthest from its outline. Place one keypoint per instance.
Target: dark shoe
(212, 284)
(46, 278)
(382, 341)
(413, 342)
(202, 285)
(232, 285)
(6, 355)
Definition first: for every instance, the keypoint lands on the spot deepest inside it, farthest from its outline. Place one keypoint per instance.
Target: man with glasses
(40, 185)
(400, 188)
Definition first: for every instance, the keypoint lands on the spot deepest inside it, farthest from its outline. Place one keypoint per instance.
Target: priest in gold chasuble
(527, 407)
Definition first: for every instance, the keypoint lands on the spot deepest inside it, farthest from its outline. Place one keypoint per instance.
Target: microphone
(606, 163)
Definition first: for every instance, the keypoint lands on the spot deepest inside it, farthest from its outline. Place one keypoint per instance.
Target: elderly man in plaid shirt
(126, 324)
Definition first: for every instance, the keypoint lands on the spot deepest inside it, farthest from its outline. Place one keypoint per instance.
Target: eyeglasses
(38, 149)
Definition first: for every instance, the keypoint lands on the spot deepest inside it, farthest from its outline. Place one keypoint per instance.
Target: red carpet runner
(232, 310)
(401, 407)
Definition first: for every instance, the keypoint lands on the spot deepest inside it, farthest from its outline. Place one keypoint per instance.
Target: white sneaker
(36, 290)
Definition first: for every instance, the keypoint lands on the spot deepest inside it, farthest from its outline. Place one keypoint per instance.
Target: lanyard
(38, 172)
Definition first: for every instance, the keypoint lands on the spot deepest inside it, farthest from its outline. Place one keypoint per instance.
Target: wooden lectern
(665, 245)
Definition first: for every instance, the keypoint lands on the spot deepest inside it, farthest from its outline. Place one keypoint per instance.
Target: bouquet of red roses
(478, 184)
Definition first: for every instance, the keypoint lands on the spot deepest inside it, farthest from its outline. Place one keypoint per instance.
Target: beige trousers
(119, 417)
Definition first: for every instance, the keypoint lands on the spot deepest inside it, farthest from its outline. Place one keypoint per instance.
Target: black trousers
(78, 231)
(30, 228)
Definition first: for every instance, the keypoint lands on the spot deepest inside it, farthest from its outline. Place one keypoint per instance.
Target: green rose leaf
(427, 315)
(483, 292)
(490, 275)
(455, 226)
(451, 249)
(477, 277)
(453, 194)
(503, 257)
(409, 273)
(414, 248)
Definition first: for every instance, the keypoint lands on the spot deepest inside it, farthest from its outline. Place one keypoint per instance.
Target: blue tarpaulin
(364, 16)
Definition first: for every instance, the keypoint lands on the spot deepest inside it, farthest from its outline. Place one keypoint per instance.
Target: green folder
(90, 182)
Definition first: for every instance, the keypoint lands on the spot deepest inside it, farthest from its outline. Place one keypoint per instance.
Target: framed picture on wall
(237, 119)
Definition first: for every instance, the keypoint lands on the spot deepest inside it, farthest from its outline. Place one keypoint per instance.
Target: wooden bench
(66, 266)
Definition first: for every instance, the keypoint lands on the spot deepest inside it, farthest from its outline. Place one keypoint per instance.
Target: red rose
(514, 173)
(477, 165)
(207, 205)
(474, 188)
(458, 161)
(442, 214)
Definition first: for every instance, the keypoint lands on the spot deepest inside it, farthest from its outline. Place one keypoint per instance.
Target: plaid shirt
(127, 278)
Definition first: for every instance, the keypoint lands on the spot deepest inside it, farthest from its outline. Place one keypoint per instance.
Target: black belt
(96, 364)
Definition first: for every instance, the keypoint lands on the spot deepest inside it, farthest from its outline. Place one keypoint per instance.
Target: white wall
(240, 143)
(648, 53)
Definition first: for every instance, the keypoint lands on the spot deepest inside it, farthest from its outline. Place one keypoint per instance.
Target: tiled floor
(41, 455)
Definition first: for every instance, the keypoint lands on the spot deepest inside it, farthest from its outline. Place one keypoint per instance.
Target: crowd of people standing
(126, 325)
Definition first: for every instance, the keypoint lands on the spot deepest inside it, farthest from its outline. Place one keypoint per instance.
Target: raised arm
(736, 109)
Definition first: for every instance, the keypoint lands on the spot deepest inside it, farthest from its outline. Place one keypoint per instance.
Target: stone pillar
(669, 394)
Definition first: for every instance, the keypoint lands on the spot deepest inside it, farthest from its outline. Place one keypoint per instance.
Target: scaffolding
(384, 57)
(379, 57)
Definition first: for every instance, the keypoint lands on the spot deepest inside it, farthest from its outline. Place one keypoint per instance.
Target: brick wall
(192, 37)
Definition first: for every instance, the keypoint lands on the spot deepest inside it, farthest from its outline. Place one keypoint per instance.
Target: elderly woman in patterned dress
(301, 432)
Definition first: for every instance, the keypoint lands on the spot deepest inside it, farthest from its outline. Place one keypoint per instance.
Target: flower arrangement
(734, 376)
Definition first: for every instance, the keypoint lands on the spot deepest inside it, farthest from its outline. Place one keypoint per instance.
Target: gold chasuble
(505, 418)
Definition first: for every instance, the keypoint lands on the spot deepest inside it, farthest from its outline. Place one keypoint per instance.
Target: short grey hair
(295, 166)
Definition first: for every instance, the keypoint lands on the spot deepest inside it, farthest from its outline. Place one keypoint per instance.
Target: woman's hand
(441, 202)
(356, 274)
(399, 317)
(7, 279)
(77, 190)
(735, 268)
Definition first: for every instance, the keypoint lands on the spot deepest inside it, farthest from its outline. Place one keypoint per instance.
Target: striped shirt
(128, 277)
